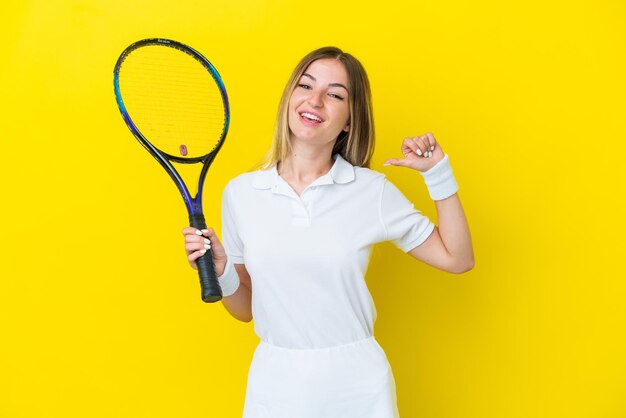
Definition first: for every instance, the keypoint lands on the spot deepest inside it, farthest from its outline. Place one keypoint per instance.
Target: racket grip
(211, 290)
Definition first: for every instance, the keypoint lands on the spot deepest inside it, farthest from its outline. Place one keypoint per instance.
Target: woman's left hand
(420, 153)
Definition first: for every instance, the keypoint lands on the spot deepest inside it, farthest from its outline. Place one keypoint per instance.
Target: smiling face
(319, 109)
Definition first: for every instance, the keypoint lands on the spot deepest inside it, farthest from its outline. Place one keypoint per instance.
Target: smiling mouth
(310, 117)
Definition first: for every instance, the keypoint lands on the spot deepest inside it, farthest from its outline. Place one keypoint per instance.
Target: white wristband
(229, 280)
(440, 180)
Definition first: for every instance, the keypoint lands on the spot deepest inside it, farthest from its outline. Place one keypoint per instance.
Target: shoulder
(378, 184)
(244, 181)
(239, 190)
(367, 176)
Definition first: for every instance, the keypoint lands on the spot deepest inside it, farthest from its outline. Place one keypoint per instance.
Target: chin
(305, 138)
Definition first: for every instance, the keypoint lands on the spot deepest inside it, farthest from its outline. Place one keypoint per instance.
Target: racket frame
(211, 292)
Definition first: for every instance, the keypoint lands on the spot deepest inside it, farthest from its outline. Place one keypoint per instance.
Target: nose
(315, 98)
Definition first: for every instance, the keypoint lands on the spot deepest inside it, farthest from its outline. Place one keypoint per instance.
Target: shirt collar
(341, 172)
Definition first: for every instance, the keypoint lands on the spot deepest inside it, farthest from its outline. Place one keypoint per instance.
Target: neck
(303, 166)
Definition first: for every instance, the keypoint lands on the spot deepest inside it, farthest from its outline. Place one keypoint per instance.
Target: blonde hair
(355, 146)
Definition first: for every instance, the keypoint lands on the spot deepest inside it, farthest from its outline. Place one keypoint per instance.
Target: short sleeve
(230, 235)
(404, 225)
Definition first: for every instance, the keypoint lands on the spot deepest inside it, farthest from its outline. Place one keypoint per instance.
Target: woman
(298, 235)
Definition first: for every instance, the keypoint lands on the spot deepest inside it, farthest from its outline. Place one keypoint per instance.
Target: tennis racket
(174, 102)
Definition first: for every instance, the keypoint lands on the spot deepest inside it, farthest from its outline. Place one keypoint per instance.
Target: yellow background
(100, 316)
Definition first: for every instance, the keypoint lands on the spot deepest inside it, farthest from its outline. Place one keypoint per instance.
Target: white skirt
(345, 381)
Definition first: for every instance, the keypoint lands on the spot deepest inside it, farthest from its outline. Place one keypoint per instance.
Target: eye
(335, 96)
(304, 86)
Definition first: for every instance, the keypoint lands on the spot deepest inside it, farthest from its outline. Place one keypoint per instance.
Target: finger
(208, 232)
(400, 162)
(426, 142)
(419, 142)
(195, 255)
(193, 231)
(432, 142)
(427, 152)
(197, 238)
(408, 146)
(196, 246)
(190, 230)
(214, 239)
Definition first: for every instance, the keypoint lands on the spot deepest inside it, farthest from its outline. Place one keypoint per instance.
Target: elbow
(242, 316)
(464, 267)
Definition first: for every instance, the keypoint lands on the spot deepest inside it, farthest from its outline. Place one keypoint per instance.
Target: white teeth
(310, 116)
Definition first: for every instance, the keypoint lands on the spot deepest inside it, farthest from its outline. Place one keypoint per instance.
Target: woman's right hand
(197, 242)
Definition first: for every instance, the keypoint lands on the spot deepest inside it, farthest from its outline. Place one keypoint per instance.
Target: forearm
(239, 304)
(454, 231)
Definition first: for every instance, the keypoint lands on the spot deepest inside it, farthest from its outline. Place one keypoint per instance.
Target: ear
(347, 127)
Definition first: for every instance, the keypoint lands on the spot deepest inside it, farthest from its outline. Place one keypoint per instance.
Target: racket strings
(172, 100)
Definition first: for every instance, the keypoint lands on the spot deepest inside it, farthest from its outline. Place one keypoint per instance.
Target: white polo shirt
(307, 255)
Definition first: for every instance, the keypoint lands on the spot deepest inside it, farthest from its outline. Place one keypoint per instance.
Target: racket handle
(211, 290)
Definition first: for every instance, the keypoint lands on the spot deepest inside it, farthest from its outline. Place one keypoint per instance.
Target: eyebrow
(330, 84)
